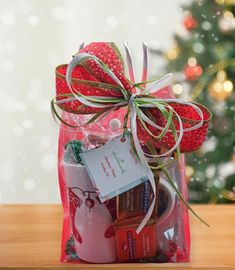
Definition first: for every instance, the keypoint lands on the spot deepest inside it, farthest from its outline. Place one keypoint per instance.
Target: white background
(35, 37)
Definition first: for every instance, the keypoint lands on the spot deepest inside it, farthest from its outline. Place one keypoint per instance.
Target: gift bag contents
(90, 219)
(116, 233)
(134, 202)
(132, 246)
(121, 165)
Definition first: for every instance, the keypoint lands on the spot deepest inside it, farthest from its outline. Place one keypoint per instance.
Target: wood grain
(30, 239)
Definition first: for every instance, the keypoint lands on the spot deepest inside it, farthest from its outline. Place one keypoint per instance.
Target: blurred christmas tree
(203, 59)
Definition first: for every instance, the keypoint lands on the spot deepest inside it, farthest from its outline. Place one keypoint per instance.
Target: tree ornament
(190, 23)
(206, 25)
(189, 172)
(198, 47)
(89, 202)
(192, 70)
(227, 22)
(173, 53)
(177, 88)
(220, 88)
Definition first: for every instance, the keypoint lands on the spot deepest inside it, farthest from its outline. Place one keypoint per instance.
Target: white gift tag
(113, 167)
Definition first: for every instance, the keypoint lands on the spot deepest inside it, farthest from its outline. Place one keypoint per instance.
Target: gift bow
(134, 102)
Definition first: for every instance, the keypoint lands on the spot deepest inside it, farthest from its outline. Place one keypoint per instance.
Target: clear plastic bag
(90, 231)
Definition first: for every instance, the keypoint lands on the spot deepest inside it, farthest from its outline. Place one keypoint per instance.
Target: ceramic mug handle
(167, 188)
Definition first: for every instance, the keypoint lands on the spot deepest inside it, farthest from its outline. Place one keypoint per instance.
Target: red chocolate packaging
(134, 202)
(132, 246)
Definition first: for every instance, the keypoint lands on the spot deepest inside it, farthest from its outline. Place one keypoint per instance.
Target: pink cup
(91, 221)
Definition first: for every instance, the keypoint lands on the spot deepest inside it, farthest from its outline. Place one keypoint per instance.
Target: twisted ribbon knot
(131, 99)
(135, 100)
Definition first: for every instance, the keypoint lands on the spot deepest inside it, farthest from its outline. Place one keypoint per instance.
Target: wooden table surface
(30, 239)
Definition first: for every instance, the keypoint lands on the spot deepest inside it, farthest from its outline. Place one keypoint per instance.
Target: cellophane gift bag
(89, 232)
(97, 230)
